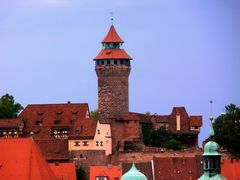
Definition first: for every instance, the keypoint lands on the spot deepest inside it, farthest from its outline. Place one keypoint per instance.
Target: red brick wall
(122, 131)
(112, 90)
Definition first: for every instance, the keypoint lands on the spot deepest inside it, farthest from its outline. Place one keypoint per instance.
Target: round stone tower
(112, 66)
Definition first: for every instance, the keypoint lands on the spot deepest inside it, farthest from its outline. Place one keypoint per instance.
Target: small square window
(85, 143)
(77, 143)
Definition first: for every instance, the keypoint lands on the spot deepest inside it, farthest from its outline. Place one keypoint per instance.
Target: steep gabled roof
(54, 149)
(196, 121)
(84, 129)
(22, 159)
(64, 171)
(112, 54)
(112, 36)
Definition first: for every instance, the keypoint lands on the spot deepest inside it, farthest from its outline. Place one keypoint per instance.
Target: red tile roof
(231, 169)
(54, 149)
(111, 172)
(64, 171)
(161, 118)
(175, 168)
(112, 54)
(21, 159)
(112, 36)
(143, 117)
(127, 117)
(11, 123)
(84, 129)
(196, 121)
(48, 114)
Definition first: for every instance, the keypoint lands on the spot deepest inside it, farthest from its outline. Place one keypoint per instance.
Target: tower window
(97, 143)
(101, 143)
(98, 131)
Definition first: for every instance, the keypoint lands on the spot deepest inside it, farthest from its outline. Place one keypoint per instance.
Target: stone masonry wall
(112, 90)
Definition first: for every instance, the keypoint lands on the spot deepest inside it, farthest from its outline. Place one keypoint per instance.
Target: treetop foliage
(227, 129)
(8, 107)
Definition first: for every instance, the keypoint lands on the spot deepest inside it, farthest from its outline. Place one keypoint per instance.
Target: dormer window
(59, 112)
(74, 112)
(57, 122)
(40, 113)
(39, 122)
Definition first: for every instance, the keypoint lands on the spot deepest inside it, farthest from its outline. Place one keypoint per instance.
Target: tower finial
(211, 116)
(112, 14)
(211, 131)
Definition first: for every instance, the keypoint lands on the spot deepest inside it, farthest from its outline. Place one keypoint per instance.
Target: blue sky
(185, 52)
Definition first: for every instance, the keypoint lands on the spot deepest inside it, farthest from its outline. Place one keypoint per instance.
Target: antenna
(112, 14)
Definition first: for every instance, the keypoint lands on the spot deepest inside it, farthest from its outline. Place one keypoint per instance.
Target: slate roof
(112, 36)
(175, 168)
(20, 158)
(112, 54)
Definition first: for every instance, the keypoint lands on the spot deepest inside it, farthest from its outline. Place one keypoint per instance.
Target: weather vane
(211, 117)
(112, 14)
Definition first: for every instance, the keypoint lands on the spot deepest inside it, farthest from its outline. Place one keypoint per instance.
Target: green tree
(94, 113)
(8, 107)
(146, 133)
(173, 144)
(227, 129)
(81, 174)
(147, 113)
(162, 138)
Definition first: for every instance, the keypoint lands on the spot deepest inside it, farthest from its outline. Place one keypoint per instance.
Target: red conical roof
(112, 36)
(112, 54)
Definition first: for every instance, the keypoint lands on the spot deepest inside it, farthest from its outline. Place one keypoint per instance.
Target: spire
(112, 36)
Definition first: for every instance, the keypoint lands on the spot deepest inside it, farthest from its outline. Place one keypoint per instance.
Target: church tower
(113, 67)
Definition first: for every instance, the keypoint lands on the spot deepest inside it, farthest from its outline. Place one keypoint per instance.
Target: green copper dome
(211, 149)
(133, 174)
